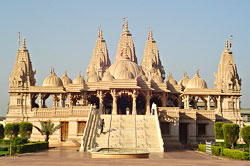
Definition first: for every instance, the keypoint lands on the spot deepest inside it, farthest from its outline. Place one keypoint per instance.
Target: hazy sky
(190, 35)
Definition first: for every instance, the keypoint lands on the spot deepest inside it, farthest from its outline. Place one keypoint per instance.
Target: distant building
(187, 110)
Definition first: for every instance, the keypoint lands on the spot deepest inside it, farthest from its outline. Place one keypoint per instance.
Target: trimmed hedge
(218, 130)
(235, 154)
(220, 151)
(31, 147)
(25, 130)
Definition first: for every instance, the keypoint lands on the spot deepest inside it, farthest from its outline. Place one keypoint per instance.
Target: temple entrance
(155, 100)
(107, 103)
(92, 99)
(124, 102)
(140, 105)
(183, 133)
(64, 131)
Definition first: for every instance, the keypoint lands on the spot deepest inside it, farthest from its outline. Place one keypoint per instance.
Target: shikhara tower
(187, 110)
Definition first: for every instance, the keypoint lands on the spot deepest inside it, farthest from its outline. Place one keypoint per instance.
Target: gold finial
(99, 32)
(24, 43)
(231, 40)
(126, 26)
(18, 40)
(52, 71)
(79, 74)
(226, 44)
(65, 73)
(185, 74)
(150, 33)
(197, 73)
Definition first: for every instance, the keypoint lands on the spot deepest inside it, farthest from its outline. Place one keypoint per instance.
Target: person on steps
(102, 126)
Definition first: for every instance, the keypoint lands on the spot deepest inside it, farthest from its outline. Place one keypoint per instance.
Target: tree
(231, 133)
(245, 134)
(1, 131)
(25, 130)
(47, 129)
(11, 130)
(218, 130)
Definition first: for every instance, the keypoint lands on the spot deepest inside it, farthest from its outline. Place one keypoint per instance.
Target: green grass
(3, 153)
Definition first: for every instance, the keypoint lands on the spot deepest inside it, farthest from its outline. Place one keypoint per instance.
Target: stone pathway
(61, 156)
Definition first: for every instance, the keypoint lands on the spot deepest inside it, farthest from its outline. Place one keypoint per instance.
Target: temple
(122, 94)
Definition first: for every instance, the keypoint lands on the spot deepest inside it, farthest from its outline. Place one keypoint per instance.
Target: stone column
(187, 102)
(61, 100)
(70, 100)
(148, 97)
(208, 103)
(40, 100)
(134, 95)
(164, 100)
(100, 96)
(114, 95)
(54, 99)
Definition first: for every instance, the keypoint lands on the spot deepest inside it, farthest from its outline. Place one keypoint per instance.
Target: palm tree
(47, 129)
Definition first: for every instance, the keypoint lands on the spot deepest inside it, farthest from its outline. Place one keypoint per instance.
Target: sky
(190, 35)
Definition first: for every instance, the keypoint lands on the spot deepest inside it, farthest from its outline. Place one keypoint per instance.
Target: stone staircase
(120, 132)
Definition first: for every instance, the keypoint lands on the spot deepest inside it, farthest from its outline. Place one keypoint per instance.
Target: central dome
(196, 82)
(118, 68)
(52, 80)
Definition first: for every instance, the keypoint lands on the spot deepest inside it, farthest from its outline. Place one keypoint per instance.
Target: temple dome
(125, 74)
(171, 80)
(117, 68)
(184, 81)
(107, 77)
(79, 79)
(196, 82)
(52, 80)
(93, 78)
(156, 78)
(65, 79)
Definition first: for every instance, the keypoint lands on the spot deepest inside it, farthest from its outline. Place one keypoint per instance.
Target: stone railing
(79, 111)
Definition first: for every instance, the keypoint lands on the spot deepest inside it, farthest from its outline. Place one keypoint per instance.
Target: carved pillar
(54, 99)
(187, 102)
(61, 100)
(100, 96)
(208, 103)
(134, 95)
(114, 95)
(148, 97)
(40, 100)
(164, 100)
(70, 98)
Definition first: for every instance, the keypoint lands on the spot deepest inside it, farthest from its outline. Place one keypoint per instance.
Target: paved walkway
(70, 156)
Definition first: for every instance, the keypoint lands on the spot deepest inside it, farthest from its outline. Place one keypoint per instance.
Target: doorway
(124, 102)
(183, 133)
(64, 131)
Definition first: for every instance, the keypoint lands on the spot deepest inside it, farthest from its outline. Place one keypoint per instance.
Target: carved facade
(187, 109)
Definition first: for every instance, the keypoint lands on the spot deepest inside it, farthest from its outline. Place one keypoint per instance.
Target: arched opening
(92, 99)
(155, 100)
(107, 103)
(124, 102)
(140, 105)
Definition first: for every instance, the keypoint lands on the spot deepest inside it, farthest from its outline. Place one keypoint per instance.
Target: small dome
(79, 79)
(93, 78)
(65, 79)
(171, 80)
(125, 74)
(142, 78)
(157, 78)
(196, 82)
(117, 68)
(52, 80)
(183, 82)
(107, 77)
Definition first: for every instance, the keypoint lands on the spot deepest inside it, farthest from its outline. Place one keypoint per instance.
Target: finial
(231, 39)
(123, 22)
(197, 73)
(79, 74)
(52, 71)
(126, 26)
(65, 73)
(99, 32)
(226, 44)
(150, 33)
(18, 40)
(24, 43)
(185, 75)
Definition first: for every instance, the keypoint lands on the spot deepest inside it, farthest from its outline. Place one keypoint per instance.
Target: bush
(245, 134)
(238, 146)
(218, 130)
(1, 131)
(235, 154)
(202, 147)
(25, 130)
(11, 130)
(4, 142)
(231, 133)
(31, 147)
(216, 150)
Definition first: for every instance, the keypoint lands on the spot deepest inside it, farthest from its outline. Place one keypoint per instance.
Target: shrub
(31, 147)
(231, 133)
(1, 131)
(235, 154)
(4, 142)
(11, 130)
(218, 130)
(25, 130)
(202, 147)
(216, 150)
(245, 134)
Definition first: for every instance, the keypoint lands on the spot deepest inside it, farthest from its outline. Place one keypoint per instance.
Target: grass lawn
(3, 153)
